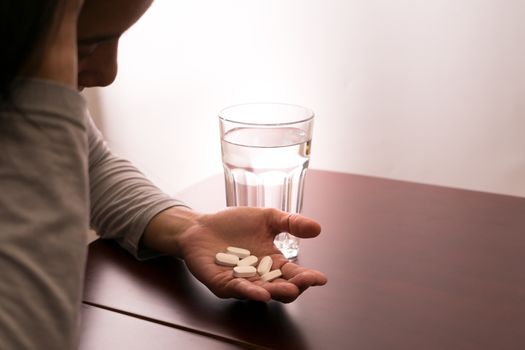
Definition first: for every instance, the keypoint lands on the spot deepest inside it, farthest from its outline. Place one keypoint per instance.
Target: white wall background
(430, 91)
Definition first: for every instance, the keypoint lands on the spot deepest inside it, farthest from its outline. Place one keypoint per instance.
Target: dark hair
(23, 26)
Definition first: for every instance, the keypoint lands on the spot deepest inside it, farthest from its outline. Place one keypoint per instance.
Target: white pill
(241, 253)
(248, 261)
(270, 276)
(226, 259)
(265, 265)
(244, 271)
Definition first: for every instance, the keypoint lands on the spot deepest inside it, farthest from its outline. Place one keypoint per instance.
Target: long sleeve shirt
(58, 178)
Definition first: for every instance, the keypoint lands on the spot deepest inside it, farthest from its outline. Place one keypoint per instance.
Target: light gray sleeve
(123, 201)
(44, 209)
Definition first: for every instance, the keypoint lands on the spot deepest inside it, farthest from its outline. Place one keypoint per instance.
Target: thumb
(296, 224)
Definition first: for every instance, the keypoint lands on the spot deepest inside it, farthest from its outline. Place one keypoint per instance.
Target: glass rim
(310, 113)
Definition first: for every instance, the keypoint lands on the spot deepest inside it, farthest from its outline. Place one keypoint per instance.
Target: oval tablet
(244, 271)
(270, 276)
(240, 252)
(226, 259)
(265, 265)
(248, 261)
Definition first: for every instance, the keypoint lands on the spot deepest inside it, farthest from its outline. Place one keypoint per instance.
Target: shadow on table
(164, 290)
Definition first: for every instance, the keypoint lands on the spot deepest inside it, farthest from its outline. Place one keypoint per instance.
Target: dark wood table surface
(108, 330)
(409, 266)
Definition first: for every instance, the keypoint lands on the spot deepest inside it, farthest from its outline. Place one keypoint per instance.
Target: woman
(58, 177)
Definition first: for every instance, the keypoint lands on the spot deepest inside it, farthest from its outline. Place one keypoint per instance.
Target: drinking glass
(265, 154)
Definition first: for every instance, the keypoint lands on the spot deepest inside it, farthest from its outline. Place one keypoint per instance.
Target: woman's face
(100, 25)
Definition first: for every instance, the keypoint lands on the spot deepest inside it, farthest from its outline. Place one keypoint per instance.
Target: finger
(282, 290)
(302, 277)
(296, 224)
(241, 288)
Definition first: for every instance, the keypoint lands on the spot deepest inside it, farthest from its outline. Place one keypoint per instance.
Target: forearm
(123, 201)
(165, 230)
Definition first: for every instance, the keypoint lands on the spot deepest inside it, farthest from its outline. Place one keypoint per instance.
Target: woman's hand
(198, 237)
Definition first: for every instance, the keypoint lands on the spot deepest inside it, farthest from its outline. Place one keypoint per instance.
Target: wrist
(165, 230)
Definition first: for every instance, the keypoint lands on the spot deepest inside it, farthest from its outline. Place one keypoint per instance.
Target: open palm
(253, 229)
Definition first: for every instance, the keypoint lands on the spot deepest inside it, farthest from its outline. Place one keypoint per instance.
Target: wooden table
(103, 330)
(409, 266)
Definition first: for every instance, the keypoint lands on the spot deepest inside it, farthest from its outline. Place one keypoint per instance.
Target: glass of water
(265, 154)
